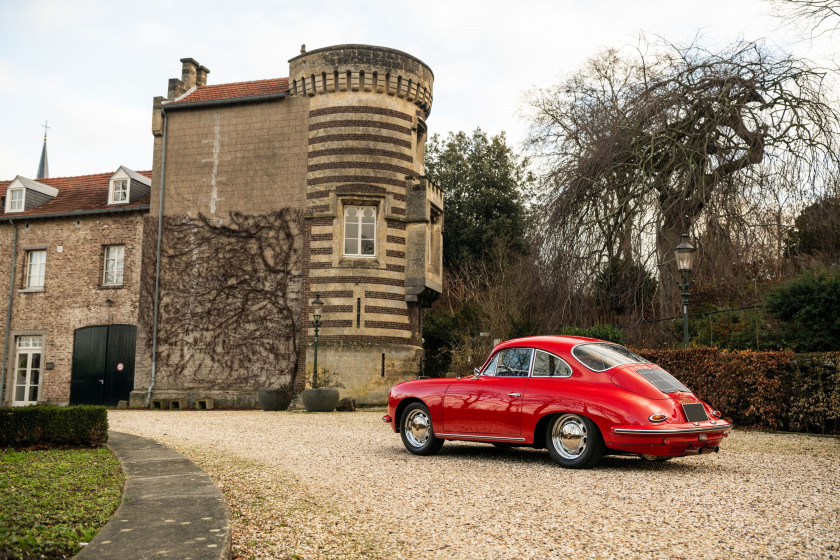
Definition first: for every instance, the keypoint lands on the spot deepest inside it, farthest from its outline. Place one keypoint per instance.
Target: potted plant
(322, 395)
(276, 399)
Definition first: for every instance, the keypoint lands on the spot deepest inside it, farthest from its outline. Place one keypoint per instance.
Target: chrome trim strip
(493, 438)
(652, 432)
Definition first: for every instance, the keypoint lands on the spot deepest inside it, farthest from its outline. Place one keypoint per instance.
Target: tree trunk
(667, 238)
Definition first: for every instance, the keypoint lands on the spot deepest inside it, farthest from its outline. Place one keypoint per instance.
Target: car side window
(549, 365)
(514, 362)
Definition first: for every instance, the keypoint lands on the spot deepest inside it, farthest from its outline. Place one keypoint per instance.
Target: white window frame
(112, 192)
(358, 221)
(27, 347)
(36, 279)
(9, 200)
(118, 268)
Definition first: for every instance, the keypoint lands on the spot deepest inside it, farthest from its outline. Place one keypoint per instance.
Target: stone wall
(230, 283)
(249, 158)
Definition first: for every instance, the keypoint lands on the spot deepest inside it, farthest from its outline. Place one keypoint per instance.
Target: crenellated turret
(362, 68)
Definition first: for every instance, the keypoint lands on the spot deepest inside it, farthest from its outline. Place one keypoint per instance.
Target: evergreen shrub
(53, 425)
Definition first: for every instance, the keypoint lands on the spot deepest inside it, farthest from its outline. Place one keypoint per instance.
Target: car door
(490, 403)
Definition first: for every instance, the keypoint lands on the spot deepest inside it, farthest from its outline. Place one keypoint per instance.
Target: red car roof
(552, 343)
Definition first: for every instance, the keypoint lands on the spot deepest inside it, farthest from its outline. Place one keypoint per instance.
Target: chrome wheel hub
(418, 428)
(569, 436)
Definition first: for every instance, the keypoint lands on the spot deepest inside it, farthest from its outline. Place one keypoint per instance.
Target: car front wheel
(416, 430)
(574, 441)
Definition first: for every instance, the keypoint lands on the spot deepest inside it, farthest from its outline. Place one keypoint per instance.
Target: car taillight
(716, 413)
(658, 417)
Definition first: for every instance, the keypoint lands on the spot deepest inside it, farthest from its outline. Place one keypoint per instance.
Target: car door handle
(515, 395)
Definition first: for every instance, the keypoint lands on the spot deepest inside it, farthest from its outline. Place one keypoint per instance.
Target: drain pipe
(157, 261)
(8, 313)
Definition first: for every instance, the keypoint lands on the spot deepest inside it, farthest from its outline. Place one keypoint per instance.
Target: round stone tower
(372, 245)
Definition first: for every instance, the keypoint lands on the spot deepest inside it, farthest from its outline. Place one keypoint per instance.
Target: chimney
(201, 76)
(189, 71)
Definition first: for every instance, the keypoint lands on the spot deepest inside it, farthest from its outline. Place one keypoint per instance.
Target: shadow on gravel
(522, 456)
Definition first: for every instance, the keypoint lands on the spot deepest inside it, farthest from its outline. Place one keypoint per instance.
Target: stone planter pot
(320, 400)
(274, 399)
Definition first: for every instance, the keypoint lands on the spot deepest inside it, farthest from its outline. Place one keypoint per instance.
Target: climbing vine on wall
(230, 296)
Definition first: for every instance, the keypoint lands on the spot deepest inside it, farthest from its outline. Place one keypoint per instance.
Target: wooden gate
(103, 364)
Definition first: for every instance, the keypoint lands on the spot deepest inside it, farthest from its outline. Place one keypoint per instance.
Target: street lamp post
(685, 257)
(317, 308)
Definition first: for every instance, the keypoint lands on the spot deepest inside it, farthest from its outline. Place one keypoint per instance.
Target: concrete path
(170, 508)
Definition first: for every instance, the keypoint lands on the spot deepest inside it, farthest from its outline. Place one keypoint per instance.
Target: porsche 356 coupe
(581, 398)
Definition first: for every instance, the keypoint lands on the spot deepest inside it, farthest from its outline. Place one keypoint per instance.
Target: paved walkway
(170, 508)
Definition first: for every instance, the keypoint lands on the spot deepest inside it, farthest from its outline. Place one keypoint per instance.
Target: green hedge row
(54, 425)
(774, 390)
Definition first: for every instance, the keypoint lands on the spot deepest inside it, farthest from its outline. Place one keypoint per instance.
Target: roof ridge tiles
(244, 82)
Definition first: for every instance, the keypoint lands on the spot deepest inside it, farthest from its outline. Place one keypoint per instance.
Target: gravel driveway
(341, 485)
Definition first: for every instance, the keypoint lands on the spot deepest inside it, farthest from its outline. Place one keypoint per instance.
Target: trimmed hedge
(54, 425)
(775, 390)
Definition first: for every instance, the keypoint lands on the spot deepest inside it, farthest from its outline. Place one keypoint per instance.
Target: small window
(114, 263)
(15, 200)
(513, 362)
(35, 266)
(119, 191)
(549, 365)
(360, 231)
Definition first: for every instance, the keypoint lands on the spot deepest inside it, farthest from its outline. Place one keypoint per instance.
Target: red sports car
(580, 398)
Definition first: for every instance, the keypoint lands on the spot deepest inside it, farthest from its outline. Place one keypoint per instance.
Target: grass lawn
(53, 500)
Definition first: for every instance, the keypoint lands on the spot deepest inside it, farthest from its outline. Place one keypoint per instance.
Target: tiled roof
(75, 194)
(235, 90)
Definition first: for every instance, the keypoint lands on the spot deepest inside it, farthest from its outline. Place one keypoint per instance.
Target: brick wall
(73, 296)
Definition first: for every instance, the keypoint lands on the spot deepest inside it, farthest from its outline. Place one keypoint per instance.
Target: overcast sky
(91, 68)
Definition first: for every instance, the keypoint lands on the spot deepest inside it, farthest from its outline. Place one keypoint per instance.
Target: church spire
(43, 166)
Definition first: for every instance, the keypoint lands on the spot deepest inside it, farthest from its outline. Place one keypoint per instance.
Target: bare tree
(821, 15)
(638, 146)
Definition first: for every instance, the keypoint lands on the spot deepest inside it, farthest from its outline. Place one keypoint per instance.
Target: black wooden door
(103, 364)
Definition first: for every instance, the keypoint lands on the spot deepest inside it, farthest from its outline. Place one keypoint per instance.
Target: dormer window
(127, 187)
(25, 194)
(119, 191)
(14, 200)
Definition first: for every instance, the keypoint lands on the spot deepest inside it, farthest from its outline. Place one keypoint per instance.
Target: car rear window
(600, 356)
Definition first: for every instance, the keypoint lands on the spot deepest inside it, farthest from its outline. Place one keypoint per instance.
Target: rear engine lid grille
(663, 380)
(694, 412)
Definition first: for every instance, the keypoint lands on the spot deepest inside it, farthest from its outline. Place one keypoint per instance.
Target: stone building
(72, 248)
(262, 195)
(272, 191)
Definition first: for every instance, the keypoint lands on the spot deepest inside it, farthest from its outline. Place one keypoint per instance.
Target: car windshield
(601, 356)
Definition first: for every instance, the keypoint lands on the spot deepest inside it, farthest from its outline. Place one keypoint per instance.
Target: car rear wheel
(416, 430)
(574, 441)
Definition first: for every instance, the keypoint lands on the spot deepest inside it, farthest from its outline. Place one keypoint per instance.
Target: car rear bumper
(668, 440)
(656, 431)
